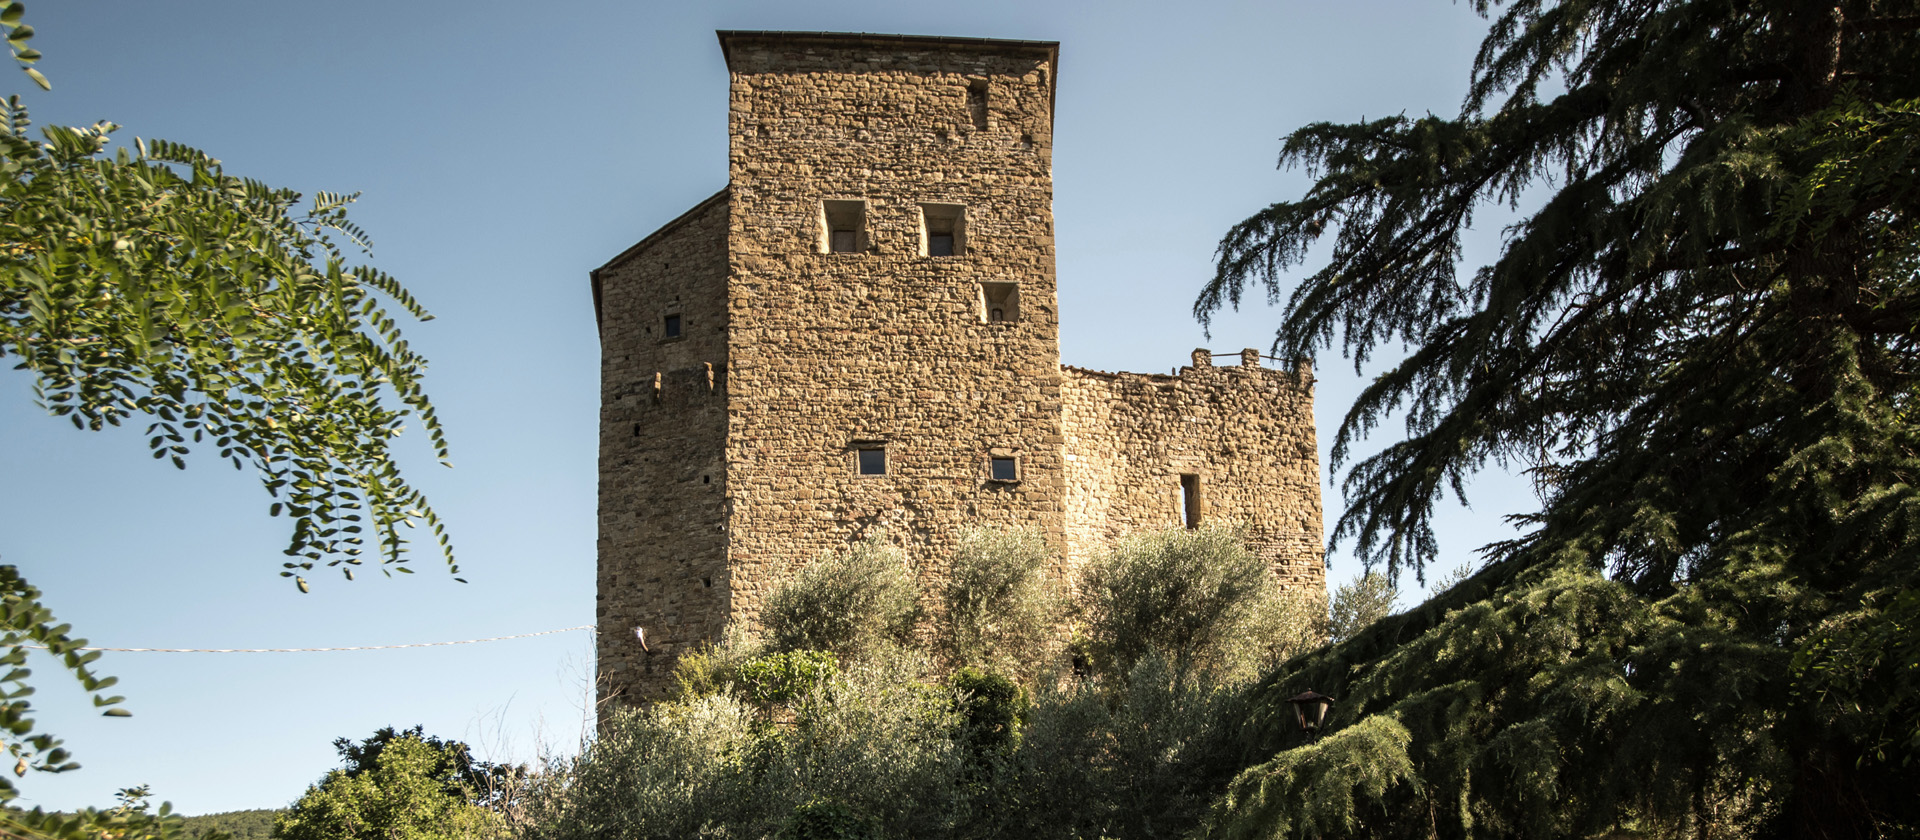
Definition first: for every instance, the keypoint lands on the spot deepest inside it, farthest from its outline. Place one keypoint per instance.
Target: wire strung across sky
(326, 649)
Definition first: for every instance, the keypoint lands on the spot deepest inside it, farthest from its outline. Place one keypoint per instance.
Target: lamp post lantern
(1310, 709)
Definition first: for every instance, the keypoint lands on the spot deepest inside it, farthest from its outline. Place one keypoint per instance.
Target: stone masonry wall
(729, 454)
(886, 347)
(663, 425)
(1244, 433)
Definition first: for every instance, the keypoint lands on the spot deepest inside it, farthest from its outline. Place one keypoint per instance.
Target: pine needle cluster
(1705, 346)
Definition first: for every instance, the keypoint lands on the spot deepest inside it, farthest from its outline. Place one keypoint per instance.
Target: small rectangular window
(873, 462)
(999, 302)
(977, 103)
(673, 326)
(843, 225)
(1003, 469)
(943, 230)
(1190, 500)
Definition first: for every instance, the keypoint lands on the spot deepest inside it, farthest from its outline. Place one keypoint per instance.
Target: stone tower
(860, 333)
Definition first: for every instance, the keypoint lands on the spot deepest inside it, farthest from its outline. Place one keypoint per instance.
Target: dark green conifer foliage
(1703, 345)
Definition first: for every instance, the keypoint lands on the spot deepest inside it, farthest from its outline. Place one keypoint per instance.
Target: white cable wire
(322, 650)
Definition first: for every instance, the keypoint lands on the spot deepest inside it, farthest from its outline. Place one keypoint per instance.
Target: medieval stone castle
(860, 332)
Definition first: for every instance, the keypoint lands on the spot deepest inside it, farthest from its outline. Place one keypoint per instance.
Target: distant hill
(256, 824)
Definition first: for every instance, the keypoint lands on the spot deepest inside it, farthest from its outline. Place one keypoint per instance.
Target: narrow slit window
(977, 103)
(999, 302)
(673, 326)
(942, 230)
(1003, 469)
(1190, 500)
(844, 224)
(873, 461)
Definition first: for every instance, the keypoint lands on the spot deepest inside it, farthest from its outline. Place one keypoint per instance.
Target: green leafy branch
(17, 36)
(149, 281)
(24, 621)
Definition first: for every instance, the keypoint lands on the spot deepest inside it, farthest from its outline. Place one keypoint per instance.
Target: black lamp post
(1310, 709)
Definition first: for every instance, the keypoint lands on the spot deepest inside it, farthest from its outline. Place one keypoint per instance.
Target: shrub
(782, 677)
(848, 602)
(1140, 757)
(1281, 624)
(872, 743)
(1000, 610)
(677, 769)
(129, 819)
(1358, 603)
(1199, 598)
(990, 707)
(709, 669)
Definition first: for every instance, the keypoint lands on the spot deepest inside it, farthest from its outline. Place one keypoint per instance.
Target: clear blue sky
(504, 149)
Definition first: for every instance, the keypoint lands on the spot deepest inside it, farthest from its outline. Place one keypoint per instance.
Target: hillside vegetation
(254, 824)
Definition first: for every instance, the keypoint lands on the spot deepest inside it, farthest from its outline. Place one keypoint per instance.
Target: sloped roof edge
(678, 221)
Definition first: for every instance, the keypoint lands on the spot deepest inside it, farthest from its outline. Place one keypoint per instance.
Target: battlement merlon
(1202, 361)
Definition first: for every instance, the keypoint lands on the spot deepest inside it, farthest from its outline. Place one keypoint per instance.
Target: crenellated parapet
(1208, 444)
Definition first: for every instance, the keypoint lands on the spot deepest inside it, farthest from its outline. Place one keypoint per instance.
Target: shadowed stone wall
(663, 433)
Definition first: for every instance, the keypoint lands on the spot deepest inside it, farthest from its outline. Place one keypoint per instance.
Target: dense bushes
(840, 723)
(870, 742)
(872, 751)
